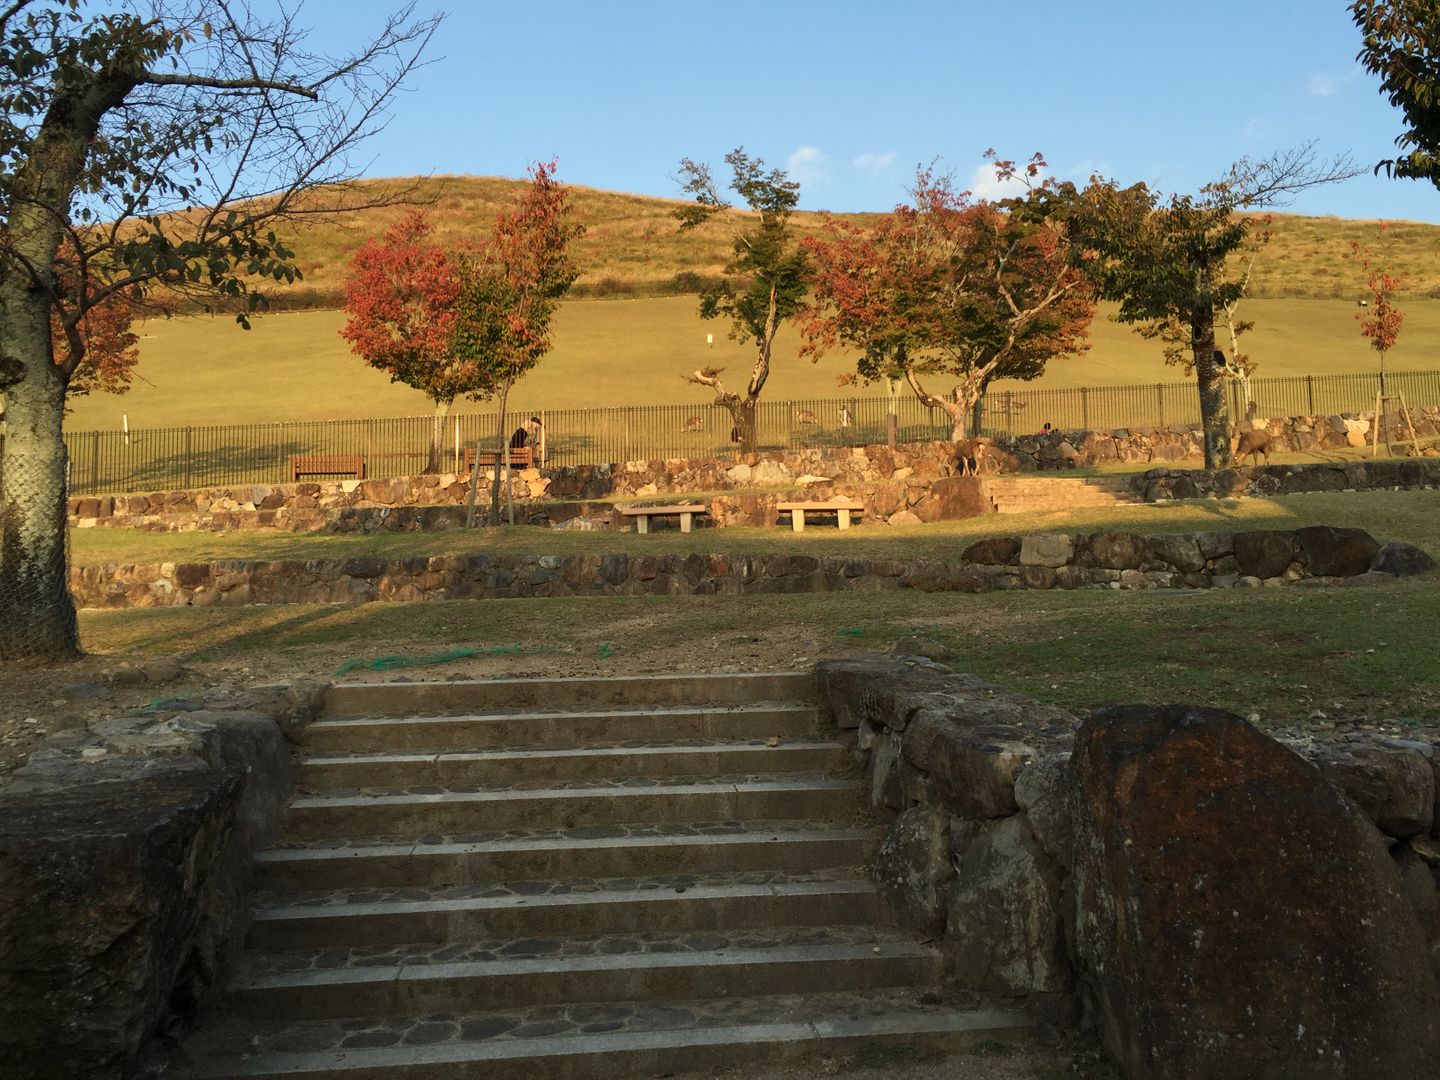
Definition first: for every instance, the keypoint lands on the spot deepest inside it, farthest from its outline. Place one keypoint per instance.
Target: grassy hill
(633, 245)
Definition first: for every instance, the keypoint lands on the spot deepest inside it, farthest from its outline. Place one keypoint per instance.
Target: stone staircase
(584, 878)
(1035, 494)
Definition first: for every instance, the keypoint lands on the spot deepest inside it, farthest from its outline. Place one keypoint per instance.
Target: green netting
(605, 650)
(849, 632)
(394, 663)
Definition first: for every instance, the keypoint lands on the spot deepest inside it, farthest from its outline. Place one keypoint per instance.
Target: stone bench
(643, 514)
(327, 465)
(841, 510)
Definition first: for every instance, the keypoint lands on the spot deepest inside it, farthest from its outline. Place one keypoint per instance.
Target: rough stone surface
(1333, 552)
(1236, 917)
(1046, 549)
(913, 870)
(951, 498)
(114, 902)
(1264, 554)
(1004, 932)
(1402, 560)
(1045, 792)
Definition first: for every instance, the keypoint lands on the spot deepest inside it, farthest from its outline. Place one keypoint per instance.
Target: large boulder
(913, 869)
(1334, 552)
(953, 497)
(1264, 554)
(1236, 916)
(1402, 560)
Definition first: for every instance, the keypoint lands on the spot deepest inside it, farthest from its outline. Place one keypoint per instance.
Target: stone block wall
(126, 851)
(1216, 904)
(1315, 556)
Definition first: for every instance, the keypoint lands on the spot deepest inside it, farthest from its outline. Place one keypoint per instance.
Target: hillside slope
(633, 245)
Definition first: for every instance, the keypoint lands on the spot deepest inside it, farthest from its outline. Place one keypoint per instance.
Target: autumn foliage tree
(953, 288)
(402, 307)
(1380, 320)
(100, 348)
(1400, 42)
(510, 289)
(765, 280)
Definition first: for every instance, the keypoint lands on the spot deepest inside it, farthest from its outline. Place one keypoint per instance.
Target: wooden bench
(841, 510)
(327, 465)
(520, 458)
(643, 514)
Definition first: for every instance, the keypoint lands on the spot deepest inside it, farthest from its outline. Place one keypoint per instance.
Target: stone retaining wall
(1319, 555)
(126, 854)
(1159, 484)
(1187, 884)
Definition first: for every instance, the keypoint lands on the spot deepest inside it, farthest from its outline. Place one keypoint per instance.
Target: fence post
(1085, 408)
(186, 485)
(95, 465)
(1160, 397)
(1310, 394)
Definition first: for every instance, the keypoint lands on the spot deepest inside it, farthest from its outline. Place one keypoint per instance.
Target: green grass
(294, 366)
(1397, 515)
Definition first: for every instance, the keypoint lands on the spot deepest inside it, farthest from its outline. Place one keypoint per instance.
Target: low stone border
(1319, 555)
(1160, 484)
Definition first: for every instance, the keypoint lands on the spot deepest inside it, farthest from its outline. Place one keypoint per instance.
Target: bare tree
(157, 147)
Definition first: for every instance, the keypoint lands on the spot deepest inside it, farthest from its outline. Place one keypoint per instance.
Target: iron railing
(163, 459)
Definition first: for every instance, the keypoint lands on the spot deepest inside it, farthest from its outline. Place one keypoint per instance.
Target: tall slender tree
(766, 277)
(108, 120)
(954, 288)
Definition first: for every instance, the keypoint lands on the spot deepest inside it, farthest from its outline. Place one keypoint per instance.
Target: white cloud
(809, 165)
(984, 184)
(1323, 85)
(874, 164)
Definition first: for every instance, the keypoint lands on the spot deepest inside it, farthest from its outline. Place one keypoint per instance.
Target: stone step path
(572, 878)
(1025, 494)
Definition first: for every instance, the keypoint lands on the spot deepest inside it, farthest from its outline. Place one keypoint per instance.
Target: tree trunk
(1214, 412)
(37, 615)
(433, 460)
(502, 457)
(745, 429)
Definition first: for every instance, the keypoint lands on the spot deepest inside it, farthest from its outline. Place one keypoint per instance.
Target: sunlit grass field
(295, 366)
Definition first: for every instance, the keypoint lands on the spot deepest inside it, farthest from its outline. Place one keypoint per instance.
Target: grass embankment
(1282, 653)
(295, 366)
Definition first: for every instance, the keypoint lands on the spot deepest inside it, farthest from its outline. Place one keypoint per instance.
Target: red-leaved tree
(98, 347)
(403, 308)
(952, 287)
(510, 289)
(1380, 320)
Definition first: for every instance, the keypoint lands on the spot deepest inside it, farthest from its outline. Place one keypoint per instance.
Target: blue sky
(850, 96)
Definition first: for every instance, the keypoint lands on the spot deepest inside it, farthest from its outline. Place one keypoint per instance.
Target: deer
(1253, 444)
(694, 423)
(806, 416)
(970, 454)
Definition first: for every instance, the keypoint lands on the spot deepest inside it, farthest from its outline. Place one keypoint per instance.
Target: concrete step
(596, 1042)
(618, 967)
(524, 765)
(344, 918)
(640, 800)
(598, 851)
(511, 695)
(478, 730)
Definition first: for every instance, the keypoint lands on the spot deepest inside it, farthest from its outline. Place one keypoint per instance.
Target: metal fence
(196, 457)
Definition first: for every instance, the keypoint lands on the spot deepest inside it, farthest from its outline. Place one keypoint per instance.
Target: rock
(1004, 932)
(921, 646)
(887, 692)
(1182, 553)
(124, 675)
(913, 871)
(770, 474)
(85, 691)
(162, 670)
(1046, 549)
(952, 497)
(1217, 875)
(993, 551)
(1117, 551)
(1402, 560)
(1394, 788)
(1332, 552)
(904, 517)
(885, 794)
(1044, 792)
(1264, 554)
(1370, 578)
